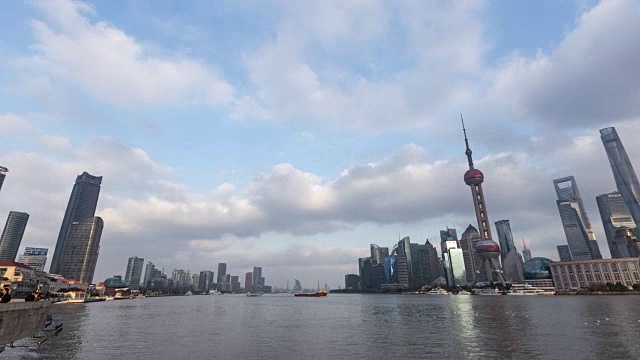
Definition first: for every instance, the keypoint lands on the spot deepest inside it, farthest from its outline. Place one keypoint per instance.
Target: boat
(438, 291)
(464, 292)
(214, 292)
(318, 293)
(487, 292)
(253, 294)
(188, 293)
(526, 289)
(122, 294)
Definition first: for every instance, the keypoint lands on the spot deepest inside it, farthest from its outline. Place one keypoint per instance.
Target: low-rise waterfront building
(576, 275)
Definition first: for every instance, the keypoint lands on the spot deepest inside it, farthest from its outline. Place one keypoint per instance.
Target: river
(345, 326)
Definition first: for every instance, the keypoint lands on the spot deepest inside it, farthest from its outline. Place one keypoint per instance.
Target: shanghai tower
(623, 173)
(486, 248)
(82, 204)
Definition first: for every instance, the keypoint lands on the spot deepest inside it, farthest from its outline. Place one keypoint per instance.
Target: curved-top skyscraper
(486, 248)
(623, 173)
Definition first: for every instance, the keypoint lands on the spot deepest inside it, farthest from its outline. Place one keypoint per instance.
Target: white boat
(189, 293)
(526, 289)
(487, 292)
(438, 291)
(464, 292)
(214, 292)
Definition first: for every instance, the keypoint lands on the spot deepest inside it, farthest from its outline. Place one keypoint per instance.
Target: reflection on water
(346, 326)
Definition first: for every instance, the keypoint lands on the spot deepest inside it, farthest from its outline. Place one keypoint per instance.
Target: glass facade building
(575, 222)
(35, 258)
(615, 215)
(12, 235)
(134, 271)
(82, 248)
(623, 173)
(82, 204)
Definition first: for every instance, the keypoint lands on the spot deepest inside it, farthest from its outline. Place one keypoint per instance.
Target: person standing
(6, 295)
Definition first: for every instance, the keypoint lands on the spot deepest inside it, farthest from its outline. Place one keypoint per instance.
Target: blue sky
(302, 130)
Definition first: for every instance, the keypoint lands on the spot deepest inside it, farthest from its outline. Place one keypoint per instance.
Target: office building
(487, 249)
(526, 253)
(149, 274)
(452, 261)
(12, 235)
(82, 205)
(564, 253)
(81, 249)
(472, 262)
(248, 281)
(35, 258)
(378, 253)
(623, 173)
(257, 279)
(576, 275)
(351, 281)
(3, 171)
(134, 271)
(222, 272)
(512, 263)
(205, 281)
(575, 222)
(614, 215)
(435, 267)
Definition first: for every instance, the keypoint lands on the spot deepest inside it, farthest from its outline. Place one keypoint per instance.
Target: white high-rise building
(134, 271)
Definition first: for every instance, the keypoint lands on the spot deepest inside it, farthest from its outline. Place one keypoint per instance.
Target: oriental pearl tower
(487, 249)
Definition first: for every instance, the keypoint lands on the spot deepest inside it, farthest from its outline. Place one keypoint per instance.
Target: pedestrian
(6, 295)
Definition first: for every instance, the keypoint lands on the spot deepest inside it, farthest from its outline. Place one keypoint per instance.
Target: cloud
(113, 66)
(14, 124)
(588, 79)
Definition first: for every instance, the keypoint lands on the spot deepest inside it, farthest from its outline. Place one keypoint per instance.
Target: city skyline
(301, 140)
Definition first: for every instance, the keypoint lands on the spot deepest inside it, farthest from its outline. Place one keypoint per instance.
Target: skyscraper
(3, 171)
(12, 235)
(452, 260)
(149, 273)
(205, 280)
(576, 224)
(615, 215)
(81, 249)
(511, 261)
(468, 241)
(257, 278)
(378, 253)
(222, 271)
(134, 271)
(34, 258)
(82, 204)
(435, 270)
(248, 281)
(564, 253)
(526, 253)
(487, 249)
(623, 173)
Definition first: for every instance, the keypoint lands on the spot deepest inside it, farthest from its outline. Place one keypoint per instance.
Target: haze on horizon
(291, 135)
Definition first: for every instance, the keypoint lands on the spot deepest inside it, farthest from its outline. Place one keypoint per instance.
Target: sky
(293, 134)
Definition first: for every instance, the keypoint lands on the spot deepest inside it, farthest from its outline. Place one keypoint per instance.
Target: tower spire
(467, 152)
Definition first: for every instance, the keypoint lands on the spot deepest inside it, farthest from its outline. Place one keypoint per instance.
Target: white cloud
(115, 67)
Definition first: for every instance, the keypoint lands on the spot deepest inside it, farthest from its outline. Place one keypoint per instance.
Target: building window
(605, 268)
(616, 276)
(589, 278)
(563, 269)
(607, 277)
(614, 267)
(586, 268)
(581, 278)
(633, 266)
(636, 276)
(578, 269)
(596, 268)
(627, 277)
(598, 277)
(623, 266)
(570, 269)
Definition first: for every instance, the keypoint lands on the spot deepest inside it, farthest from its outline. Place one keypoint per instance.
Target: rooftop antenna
(466, 142)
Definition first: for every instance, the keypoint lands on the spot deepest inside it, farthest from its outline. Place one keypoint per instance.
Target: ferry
(318, 293)
(526, 289)
(438, 291)
(250, 294)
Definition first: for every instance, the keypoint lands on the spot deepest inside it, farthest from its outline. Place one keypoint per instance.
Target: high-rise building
(222, 271)
(576, 224)
(12, 235)
(248, 281)
(34, 258)
(623, 173)
(297, 285)
(435, 269)
(526, 253)
(564, 253)
(472, 262)
(378, 253)
(615, 215)
(134, 271)
(511, 261)
(487, 249)
(452, 260)
(351, 281)
(149, 274)
(364, 270)
(81, 249)
(82, 204)
(3, 171)
(205, 281)
(257, 277)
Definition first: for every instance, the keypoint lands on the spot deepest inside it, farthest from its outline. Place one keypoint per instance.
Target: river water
(346, 326)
